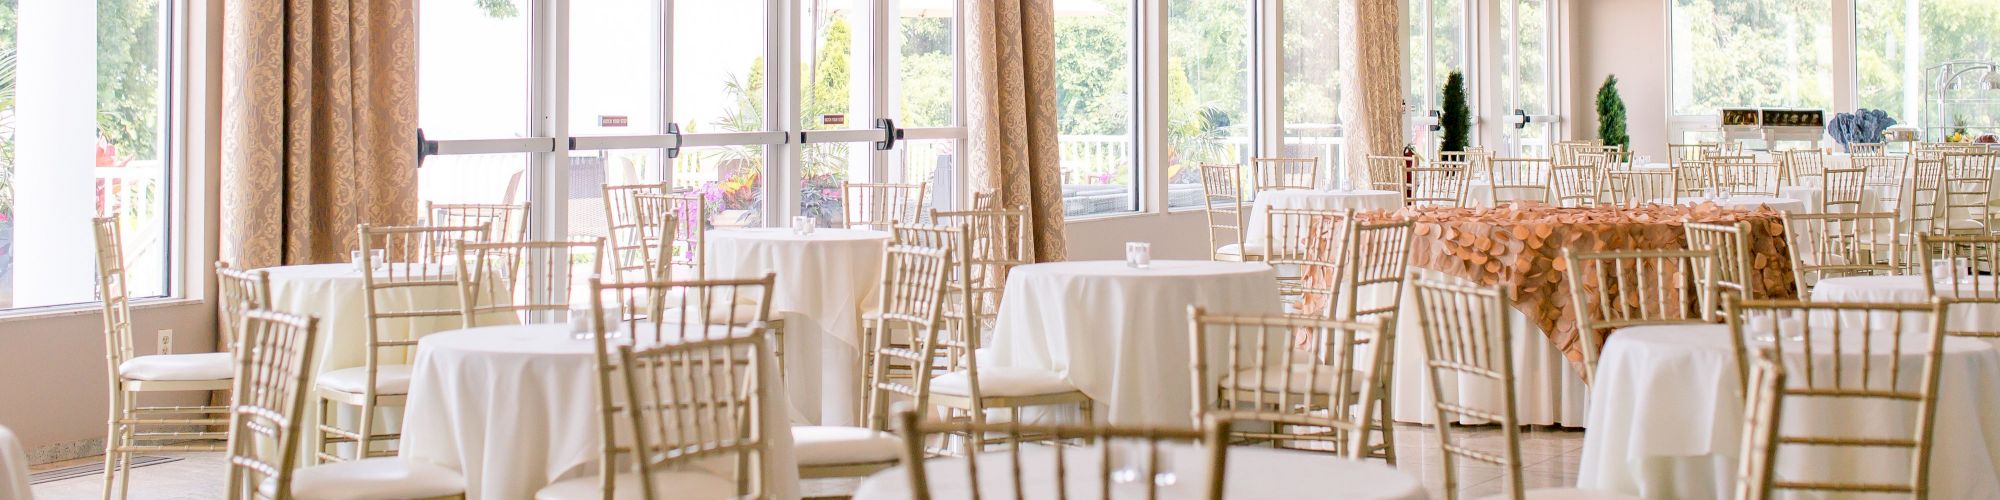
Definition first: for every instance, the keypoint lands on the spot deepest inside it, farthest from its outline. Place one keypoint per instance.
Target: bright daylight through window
(1754, 53)
(83, 114)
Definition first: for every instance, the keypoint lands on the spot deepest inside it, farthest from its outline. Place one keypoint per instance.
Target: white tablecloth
(1480, 193)
(1253, 473)
(13, 467)
(1304, 199)
(830, 277)
(1788, 205)
(1977, 317)
(515, 408)
(1547, 391)
(333, 293)
(1812, 196)
(1666, 418)
(1121, 334)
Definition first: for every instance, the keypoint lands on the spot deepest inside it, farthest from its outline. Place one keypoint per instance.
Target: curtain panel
(1011, 112)
(1371, 58)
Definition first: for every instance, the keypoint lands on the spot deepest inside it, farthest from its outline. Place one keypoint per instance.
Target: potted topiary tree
(1611, 114)
(1457, 118)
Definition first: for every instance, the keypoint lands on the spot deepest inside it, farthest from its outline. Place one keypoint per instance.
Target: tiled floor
(1550, 457)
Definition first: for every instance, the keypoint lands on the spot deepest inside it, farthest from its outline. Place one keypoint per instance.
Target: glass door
(1525, 83)
(1437, 30)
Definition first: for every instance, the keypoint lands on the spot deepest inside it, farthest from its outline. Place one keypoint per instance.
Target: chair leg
(111, 433)
(126, 441)
(366, 444)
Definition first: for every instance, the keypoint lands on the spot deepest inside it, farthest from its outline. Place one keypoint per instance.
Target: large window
(1764, 53)
(1898, 41)
(1438, 36)
(1208, 92)
(1094, 106)
(1312, 76)
(83, 133)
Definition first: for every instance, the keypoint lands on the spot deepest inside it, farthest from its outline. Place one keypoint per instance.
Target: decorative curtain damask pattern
(319, 119)
(1011, 112)
(1371, 108)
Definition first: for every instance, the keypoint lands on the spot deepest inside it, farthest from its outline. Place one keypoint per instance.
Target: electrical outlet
(166, 342)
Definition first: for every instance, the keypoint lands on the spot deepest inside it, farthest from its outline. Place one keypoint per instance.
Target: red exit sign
(833, 119)
(613, 120)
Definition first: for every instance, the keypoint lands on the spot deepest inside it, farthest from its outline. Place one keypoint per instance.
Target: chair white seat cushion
(1565, 494)
(740, 315)
(389, 379)
(827, 445)
(384, 478)
(1002, 382)
(1239, 248)
(178, 367)
(1301, 373)
(669, 484)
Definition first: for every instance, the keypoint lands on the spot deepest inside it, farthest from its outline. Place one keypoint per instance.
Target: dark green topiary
(1457, 119)
(1611, 114)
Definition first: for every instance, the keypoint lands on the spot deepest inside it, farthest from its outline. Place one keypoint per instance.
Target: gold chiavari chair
(1634, 288)
(1284, 173)
(1298, 248)
(1693, 179)
(1474, 158)
(1389, 173)
(1222, 200)
(1842, 190)
(1319, 389)
(1519, 179)
(509, 222)
(1760, 426)
(1973, 283)
(1866, 149)
(1832, 245)
(699, 321)
(877, 205)
(1374, 257)
(689, 403)
(626, 230)
(1632, 188)
(1748, 179)
(1602, 159)
(912, 300)
(985, 198)
(1087, 470)
(383, 379)
(1967, 189)
(1001, 239)
(1885, 175)
(1731, 244)
(1821, 339)
(1467, 335)
(238, 290)
(681, 221)
(1926, 192)
(1577, 185)
(535, 279)
(1440, 184)
(130, 375)
(1679, 153)
(267, 418)
(1803, 167)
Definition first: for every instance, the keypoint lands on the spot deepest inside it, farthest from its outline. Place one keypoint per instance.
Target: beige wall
(1176, 235)
(1627, 38)
(54, 364)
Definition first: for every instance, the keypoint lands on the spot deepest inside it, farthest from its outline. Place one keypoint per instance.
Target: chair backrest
(1967, 277)
(1761, 412)
(1926, 211)
(531, 280)
(1084, 470)
(1842, 190)
(1467, 335)
(1302, 243)
(696, 401)
(1290, 371)
(877, 205)
(1883, 171)
(1749, 178)
(1832, 245)
(626, 229)
(1611, 290)
(998, 241)
(509, 221)
(238, 290)
(1632, 188)
(675, 229)
(1222, 199)
(911, 299)
(1678, 153)
(1439, 184)
(1519, 175)
(1865, 149)
(1731, 243)
(268, 400)
(1802, 165)
(1375, 256)
(1389, 173)
(961, 308)
(1693, 178)
(1849, 352)
(1968, 187)
(1284, 173)
(111, 292)
(1577, 185)
(399, 274)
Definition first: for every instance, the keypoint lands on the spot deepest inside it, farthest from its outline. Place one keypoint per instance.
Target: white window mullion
(1150, 61)
(548, 95)
(781, 112)
(1267, 33)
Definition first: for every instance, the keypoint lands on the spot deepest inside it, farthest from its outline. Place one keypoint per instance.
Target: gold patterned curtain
(1371, 103)
(319, 120)
(1011, 112)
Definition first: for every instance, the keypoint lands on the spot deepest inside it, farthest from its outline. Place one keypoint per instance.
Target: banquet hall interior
(888, 249)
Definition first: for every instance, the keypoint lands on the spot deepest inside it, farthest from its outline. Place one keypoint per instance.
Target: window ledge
(86, 308)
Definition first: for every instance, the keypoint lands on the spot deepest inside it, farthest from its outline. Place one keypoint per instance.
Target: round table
(827, 279)
(1252, 473)
(1787, 205)
(1480, 193)
(1814, 199)
(1666, 417)
(1120, 334)
(333, 293)
(1307, 199)
(514, 408)
(1973, 317)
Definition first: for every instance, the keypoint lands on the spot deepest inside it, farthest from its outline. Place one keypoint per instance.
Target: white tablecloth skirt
(13, 467)
(1968, 317)
(1667, 419)
(1253, 473)
(515, 408)
(828, 279)
(1121, 334)
(1302, 199)
(1547, 390)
